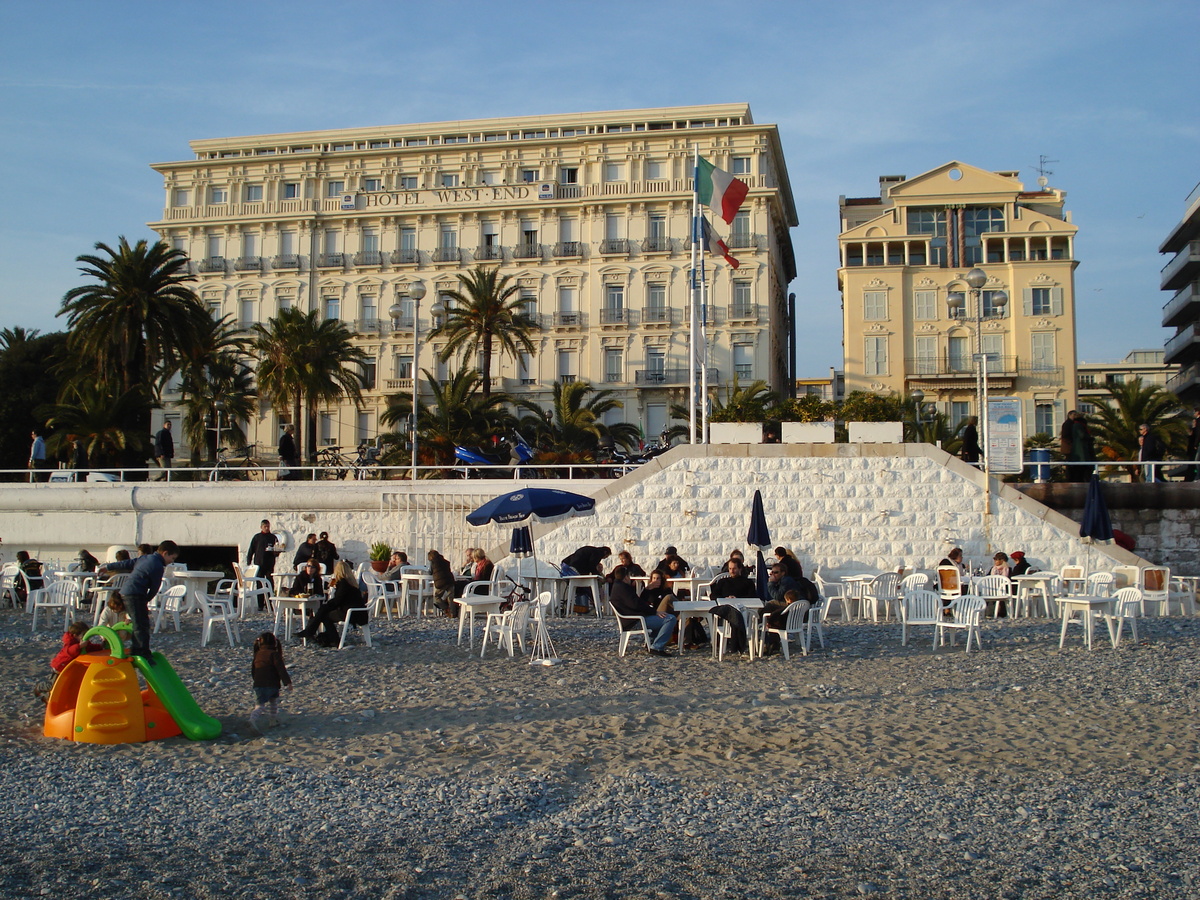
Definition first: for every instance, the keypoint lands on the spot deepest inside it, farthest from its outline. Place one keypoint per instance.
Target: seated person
(779, 582)
(398, 561)
(343, 595)
(626, 602)
(87, 562)
(955, 558)
(625, 559)
(656, 593)
(734, 583)
(1000, 564)
(1020, 564)
(308, 581)
(71, 648)
(32, 569)
(672, 554)
(785, 556)
(483, 566)
(776, 612)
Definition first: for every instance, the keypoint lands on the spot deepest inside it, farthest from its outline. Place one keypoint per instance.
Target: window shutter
(1027, 295)
(1056, 301)
(1029, 414)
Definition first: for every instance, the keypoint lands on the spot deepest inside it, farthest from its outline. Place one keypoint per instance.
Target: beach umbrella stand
(537, 505)
(759, 536)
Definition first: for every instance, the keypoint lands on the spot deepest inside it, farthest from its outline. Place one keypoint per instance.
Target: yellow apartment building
(904, 256)
(589, 212)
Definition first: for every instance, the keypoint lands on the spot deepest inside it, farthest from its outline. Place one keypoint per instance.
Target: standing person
(1082, 448)
(164, 450)
(1193, 446)
(79, 457)
(37, 457)
(269, 675)
(262, 552)
(305, 551)
(289, 458)
(970, 441)
(625, 600)
(1150, 450)
(325, 552)
(443, 582)
(140, 587)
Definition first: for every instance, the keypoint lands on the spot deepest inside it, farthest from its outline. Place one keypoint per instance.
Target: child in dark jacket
(269, 674)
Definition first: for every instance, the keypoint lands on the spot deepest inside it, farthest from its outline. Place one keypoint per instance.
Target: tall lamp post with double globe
(416, 293)
(956, 301)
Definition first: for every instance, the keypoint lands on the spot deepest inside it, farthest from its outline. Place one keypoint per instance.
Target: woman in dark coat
(343, 595)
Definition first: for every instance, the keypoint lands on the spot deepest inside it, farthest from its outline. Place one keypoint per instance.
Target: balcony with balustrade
(405, 257)
(527, 251)
(331, 260)
(368, 258)
(614, 316)
(285, 261)
(211, 264)
(652, 378)
(247, 264)
(658, 315)
(489, 253)
(614, 247)
(447, 255)
(568, 250)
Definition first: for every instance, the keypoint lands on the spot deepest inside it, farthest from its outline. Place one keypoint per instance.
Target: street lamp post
(956, 301)
(920, 411)
(416, 292)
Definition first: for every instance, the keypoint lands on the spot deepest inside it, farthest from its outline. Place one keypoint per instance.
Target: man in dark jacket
(261, 551)
(305, 551)
(587, 560)
(626, 601)
(288, 457)
(325, 552)
(164, 448)
(443, 582)
(734, 584)
(140, 587)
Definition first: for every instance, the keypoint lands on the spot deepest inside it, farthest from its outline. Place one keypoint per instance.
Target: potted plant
(380, 554)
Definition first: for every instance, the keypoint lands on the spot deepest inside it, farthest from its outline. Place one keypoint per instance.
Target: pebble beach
(417, 770)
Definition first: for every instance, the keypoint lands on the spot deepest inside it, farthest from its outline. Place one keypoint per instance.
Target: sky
(92, 93)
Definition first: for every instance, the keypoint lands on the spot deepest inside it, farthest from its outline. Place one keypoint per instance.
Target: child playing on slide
(269, 674)
(71, 648)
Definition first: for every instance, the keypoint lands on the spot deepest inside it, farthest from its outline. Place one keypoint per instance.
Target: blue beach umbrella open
(759, 536)
(537, 505)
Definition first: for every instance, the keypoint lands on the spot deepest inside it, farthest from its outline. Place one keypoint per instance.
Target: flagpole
(703, 351)
(692, 292)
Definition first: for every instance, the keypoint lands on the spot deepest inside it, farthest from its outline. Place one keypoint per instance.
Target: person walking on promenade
(288, 457)
(37, 458)
(164, 450)
(140, 587)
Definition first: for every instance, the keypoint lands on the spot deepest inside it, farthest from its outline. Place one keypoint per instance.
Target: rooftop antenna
(1042, 171)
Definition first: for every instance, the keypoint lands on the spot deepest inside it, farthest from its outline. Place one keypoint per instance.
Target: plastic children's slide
(177, 699)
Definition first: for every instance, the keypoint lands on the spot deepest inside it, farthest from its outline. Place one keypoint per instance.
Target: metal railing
(447, 254)
(614, 245)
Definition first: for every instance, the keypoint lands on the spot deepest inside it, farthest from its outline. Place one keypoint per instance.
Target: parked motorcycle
(509, 454)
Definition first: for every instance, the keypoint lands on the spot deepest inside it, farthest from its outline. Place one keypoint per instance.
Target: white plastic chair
(251, 588)
(885, 590)
(919, 607)
(627, 627)
(966, 612)
(832, 590)
(949, 584)
(8, 582)
(917, 581)
(996, 588)
(1100, 584)
(1071, 580)
(1126, 608)
(348, 625)
(215, 612)
(170, 601)
(61, 595)
(509, 627)
(1181, 593)
(1126, 576)
(1156, 588)
(793, 626)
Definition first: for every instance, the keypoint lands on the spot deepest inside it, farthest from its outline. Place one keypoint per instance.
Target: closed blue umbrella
(1097, 524)
(759, 536)
(521, 545)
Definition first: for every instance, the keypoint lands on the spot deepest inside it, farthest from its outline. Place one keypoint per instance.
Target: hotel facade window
(616, 203)
(906, 250)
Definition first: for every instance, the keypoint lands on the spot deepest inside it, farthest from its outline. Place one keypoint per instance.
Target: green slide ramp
(177, 699)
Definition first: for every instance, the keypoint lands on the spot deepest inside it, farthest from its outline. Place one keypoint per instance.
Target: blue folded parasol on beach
(1097, 524)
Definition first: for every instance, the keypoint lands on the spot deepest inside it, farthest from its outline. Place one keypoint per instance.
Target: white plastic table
(196, 582)
(1036, 583)
(1090, 607)
(468, 606)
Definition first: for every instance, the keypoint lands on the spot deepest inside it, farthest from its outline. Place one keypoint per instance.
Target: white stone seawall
(845, 507)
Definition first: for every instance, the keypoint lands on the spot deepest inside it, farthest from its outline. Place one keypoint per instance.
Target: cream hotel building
(589, 212)
(906, 250)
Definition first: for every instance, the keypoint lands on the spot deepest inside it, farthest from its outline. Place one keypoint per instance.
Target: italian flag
(718, 190)
(714, 245)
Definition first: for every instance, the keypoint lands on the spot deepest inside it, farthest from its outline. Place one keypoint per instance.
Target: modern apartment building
(1094, 378)
(1182, 311)
(589, 212)
(904, 255)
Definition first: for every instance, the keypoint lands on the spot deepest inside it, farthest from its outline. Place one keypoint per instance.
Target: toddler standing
(269, 674)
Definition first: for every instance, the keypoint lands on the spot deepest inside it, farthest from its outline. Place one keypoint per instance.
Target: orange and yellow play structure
(96, 699)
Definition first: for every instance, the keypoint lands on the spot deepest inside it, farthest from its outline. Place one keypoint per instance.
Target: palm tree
(92, 413)
(487, 310)
(575, 421)
(133, 323)
(1129, 405)
(460, 415)
(307, 361)
(744, 404)
(215, 369)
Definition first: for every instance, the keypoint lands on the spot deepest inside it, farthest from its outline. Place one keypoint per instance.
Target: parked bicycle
(332, 463)
(237, 465)
(366, 463)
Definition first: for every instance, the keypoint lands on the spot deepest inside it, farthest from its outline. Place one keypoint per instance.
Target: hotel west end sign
(439, 197)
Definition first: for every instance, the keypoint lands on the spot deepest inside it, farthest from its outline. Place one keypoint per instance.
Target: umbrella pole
(542, 652)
